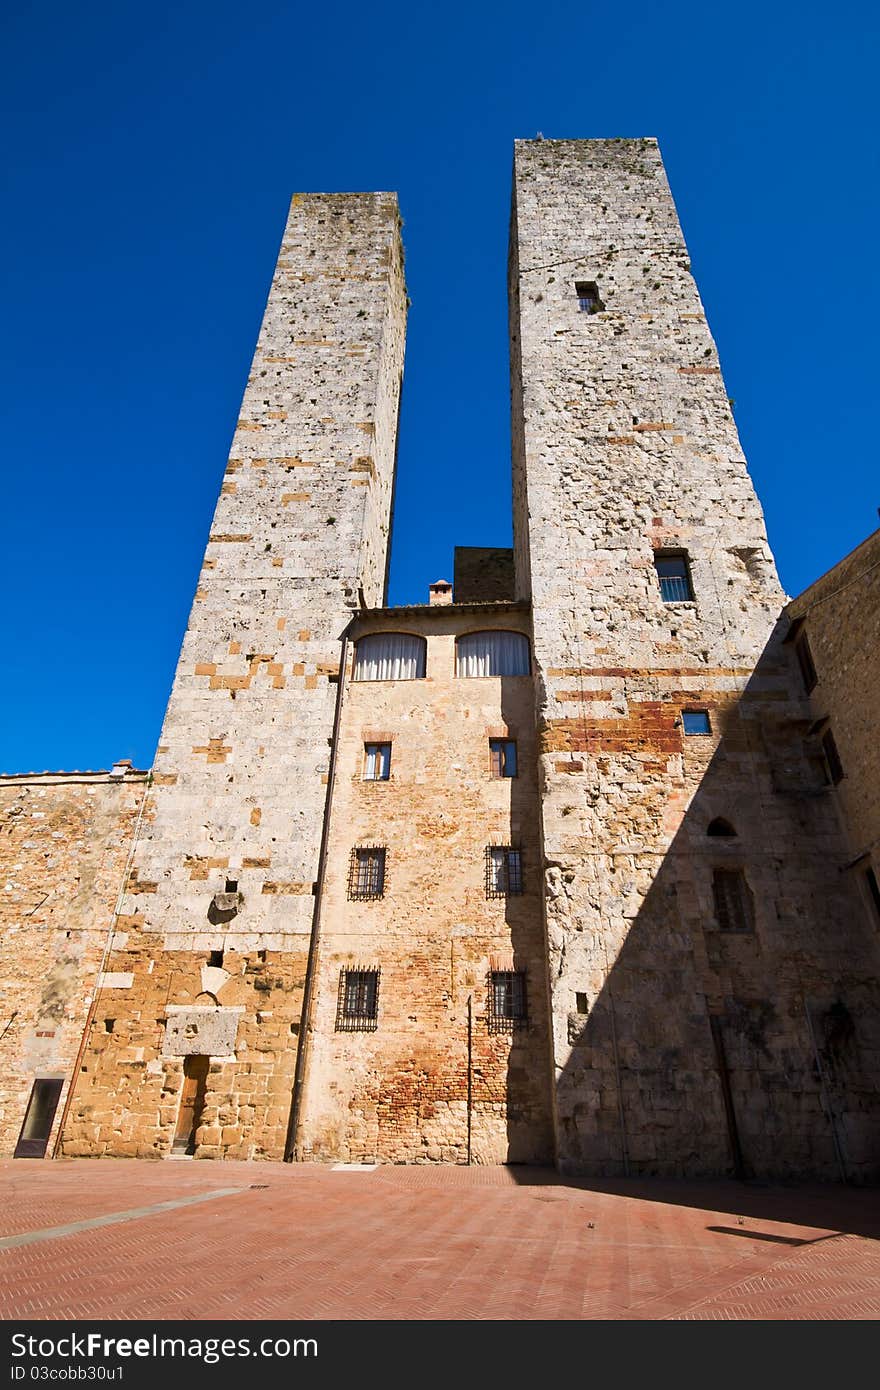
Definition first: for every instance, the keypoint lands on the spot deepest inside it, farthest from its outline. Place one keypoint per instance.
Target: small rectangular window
(366, 872)
(215, 958)
(581, 1004)
(734, 909)
(674, 575)
(357, 1008)
(503, 871)
(832, 757)
(873, 890)
(805, 661)
(377, 762)
(587, 292)
(502, 753)
(696, 721)
(507, 1000)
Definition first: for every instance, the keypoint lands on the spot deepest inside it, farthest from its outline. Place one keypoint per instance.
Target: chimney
(441, 592)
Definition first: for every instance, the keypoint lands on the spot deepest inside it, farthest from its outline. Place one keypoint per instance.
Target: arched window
(492, 654)
(721, 828)
(390, 656)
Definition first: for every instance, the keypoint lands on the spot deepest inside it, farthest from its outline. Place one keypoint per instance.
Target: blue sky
(150, 153)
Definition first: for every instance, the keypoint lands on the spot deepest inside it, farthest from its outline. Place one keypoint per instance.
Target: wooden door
(192, 1103)
(38, 1118)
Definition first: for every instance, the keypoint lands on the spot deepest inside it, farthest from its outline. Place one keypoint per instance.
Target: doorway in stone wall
(192, 1103)
(38, 1118)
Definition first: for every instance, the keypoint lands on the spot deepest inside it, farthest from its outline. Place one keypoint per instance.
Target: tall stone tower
(209, 956)
(706, 957)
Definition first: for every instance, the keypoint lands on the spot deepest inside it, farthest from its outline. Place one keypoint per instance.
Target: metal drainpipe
(291, 1141)
(470, 1074)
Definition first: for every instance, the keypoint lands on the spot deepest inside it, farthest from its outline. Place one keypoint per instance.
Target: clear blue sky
(150, 153)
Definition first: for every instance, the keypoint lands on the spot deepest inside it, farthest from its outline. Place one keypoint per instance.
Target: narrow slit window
(673, 572)
(873, 891)
(507, 1000)
(503, 871)
(357, 1008)
(587, 292)
(832, 757)
(805, 662)
(502, 755)
(734, 909)
(377, 762)
(366, 872)
(696, 722)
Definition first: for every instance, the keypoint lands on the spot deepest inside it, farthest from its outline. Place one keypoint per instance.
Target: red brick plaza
(120, 1239)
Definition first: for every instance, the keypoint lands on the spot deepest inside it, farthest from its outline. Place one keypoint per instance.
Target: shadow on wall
(528, 1091)
(716, 1003)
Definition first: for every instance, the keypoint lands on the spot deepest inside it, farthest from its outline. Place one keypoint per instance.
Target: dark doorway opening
(38, 1118)
(192, 1103)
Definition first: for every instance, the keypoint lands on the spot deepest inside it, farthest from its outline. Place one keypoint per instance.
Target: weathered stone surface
(400, 1094)
(64, 841)
(659, 1039)
(299, 539)
(624, 444)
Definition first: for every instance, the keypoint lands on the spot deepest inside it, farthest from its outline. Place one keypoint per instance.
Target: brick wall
(64, 841)
(624, 445)
(400, 1093)
(299, 533)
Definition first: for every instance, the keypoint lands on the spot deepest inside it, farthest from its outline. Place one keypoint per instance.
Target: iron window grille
(502, 752)
(357, 1007)
(507, 1001)
(805, 661)
(734, 909)
(366, 872)
(377, 762)
(674, 575)
(503, 871)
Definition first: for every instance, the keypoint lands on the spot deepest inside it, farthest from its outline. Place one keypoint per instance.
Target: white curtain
(390, 656)
(492, 654)
(378, 762)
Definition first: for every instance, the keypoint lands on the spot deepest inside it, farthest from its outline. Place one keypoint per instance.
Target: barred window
(507, 1000)
(734, 909)
(357, 1009)
(366, 872)
(673, 572)
(503, 871)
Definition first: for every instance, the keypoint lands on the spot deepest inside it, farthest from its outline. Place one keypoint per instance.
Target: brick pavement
(307, 1242)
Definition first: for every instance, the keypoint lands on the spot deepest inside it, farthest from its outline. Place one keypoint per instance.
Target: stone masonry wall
(400, 1094)
(679, 1047)
(64, 843)
(840, 616)
(301, 526)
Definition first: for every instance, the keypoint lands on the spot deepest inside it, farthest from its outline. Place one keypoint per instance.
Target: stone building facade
(551, 868)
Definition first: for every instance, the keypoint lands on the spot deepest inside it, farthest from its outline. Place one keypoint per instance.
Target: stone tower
(707, 960)
(209, 955)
